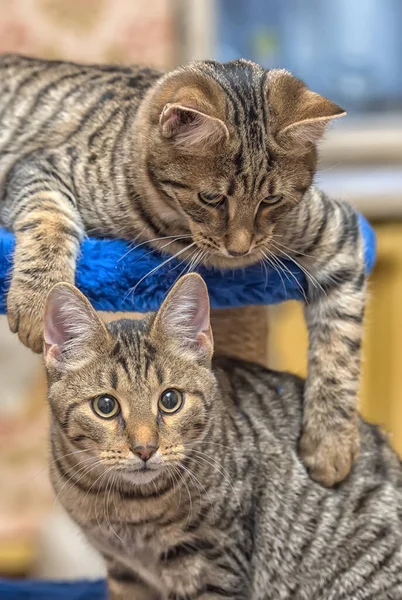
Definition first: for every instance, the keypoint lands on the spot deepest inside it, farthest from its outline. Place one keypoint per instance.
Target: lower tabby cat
(184, 473)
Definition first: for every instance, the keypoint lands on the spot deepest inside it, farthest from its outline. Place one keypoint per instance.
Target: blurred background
(348, 50)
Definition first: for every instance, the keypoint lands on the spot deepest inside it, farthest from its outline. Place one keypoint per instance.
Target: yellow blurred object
(16, 556)
(381, 386)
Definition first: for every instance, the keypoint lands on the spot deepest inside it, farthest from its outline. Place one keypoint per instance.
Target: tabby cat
(185, 476)
(213, 162)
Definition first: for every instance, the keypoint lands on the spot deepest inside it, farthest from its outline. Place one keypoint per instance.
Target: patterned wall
(90, 30)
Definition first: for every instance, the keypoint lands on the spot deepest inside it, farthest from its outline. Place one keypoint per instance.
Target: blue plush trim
(47, 590)
(109, 269)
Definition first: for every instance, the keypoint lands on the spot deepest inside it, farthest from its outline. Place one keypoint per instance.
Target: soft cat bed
(108, 270)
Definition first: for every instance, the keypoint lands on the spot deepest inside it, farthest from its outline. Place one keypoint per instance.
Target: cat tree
(120, 277)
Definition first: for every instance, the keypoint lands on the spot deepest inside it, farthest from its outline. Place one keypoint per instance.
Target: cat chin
(227, 262)
(142, 477)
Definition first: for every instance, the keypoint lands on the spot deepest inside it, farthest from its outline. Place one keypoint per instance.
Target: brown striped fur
(126, 151)
(223, 508)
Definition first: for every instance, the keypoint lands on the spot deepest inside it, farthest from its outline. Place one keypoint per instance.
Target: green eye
(272, 199)
(106, 406)
(211, 199)
(170, 401)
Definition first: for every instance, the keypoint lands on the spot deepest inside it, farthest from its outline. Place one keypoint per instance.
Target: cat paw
(329, 454)
(25, 313)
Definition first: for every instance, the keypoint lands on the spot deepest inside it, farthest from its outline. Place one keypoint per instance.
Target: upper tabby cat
(186, 477)
(211, 161)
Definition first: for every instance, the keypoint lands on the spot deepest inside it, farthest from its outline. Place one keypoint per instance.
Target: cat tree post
(241, 333)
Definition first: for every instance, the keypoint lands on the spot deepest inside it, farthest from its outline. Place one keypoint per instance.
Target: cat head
(231, 148)
(136, 396)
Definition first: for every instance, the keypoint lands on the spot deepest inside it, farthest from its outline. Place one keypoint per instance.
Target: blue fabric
(108, 270)
(44, 590)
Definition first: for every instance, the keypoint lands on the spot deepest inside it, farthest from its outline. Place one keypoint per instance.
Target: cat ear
(190, 126)
(184, 316)
(71, 328)
(300, 115)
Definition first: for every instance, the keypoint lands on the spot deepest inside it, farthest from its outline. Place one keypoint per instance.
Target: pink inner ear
(303, 133)
(201, 318)
(56, 330)
(186, 312)
(69, 319)
(170, 120)
(190, 127)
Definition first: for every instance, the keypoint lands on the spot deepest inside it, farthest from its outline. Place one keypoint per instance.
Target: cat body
(207, 498)
(211, 162)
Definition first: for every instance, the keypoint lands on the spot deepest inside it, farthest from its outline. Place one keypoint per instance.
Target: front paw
(25, 312)
(329, 452)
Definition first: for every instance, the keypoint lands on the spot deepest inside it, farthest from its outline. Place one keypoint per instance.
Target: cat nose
(145, 452)
(238, 242)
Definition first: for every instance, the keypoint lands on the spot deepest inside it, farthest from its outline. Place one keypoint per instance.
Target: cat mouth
(222, 258)
(217, 255)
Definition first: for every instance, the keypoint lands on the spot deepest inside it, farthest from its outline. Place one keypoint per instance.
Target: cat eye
(170, 401)
(106, 406)
(270, 200)
(211, 199)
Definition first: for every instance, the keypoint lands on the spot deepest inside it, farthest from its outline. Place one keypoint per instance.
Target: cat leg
(48, 232)
(331, 250)
(334, 316)
(330, 440)
(126, 591)
(124, 586)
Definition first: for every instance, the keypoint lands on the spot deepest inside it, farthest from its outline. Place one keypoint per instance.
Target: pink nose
(145, 452)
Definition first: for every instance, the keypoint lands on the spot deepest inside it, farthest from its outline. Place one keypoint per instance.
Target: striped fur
(126, 151)
(232, 512)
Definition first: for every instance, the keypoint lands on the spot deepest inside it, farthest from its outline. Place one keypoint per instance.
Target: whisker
(307, 273)
(220, 468)
(339, 164)
(155, 269)
(286, 270)
(196, 459)
(191, 266)
(183, 270)
(151, 251)
(97, 479)
(188, 444)
(82, 463)
(298, 252)
(84, 471)
(203, 489)
(183, 479)
(262, 262)
(106, 499)
(201, 259)
(56, 460)
(184, 260)
(166, 237)
(177, 479)
(271, 262)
